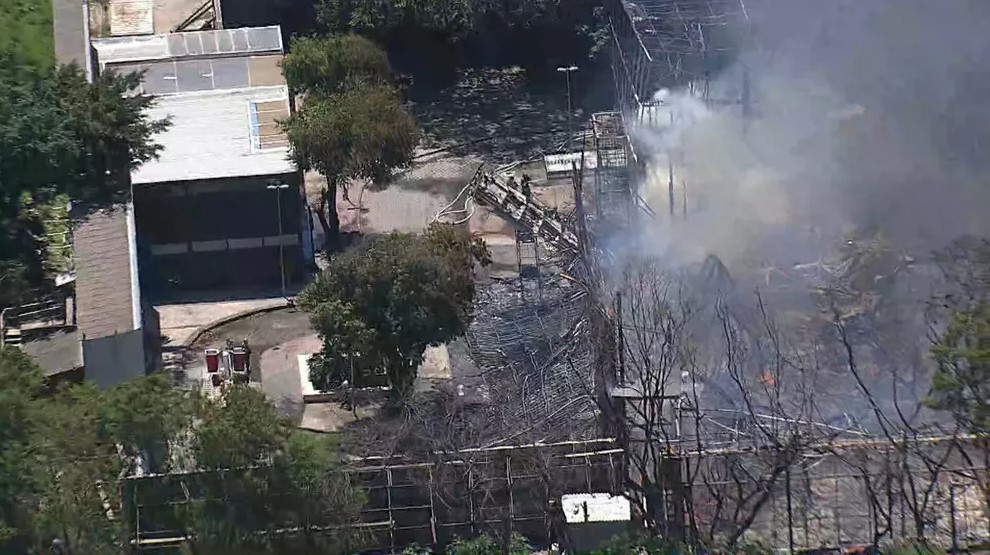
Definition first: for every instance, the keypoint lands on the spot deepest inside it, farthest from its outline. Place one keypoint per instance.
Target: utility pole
(566, 70)
(277, 187)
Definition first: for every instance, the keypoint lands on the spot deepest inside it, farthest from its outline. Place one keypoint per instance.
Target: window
(264, 129)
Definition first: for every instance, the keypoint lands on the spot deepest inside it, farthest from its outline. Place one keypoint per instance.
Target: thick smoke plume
(839, 120)
(866, 116)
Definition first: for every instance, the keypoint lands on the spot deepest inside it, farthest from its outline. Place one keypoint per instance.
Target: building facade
(223, 202)
(116, 326)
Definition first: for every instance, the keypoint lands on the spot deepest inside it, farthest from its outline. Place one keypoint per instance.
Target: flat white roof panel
(210, 137)
(131, 49)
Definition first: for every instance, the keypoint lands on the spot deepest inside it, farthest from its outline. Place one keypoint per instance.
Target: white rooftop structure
(220, 134)
(224, 93)
(222, 42)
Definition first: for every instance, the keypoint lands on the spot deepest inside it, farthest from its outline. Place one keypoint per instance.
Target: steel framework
(457, 494)
(672, 44)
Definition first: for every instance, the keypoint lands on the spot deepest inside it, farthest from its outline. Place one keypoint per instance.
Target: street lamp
(566, 70)
(277, 187)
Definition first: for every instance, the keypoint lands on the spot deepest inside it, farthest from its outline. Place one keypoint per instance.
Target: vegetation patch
(26, 26)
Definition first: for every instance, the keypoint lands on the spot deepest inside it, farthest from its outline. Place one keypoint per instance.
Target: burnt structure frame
(671, 44)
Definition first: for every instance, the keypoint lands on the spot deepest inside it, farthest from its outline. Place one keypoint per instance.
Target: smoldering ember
(725, 288)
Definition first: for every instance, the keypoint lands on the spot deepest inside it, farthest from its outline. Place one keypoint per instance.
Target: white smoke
(864, 116)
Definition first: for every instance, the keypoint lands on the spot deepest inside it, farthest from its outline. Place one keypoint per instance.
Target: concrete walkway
(282, 384)
(180, 321)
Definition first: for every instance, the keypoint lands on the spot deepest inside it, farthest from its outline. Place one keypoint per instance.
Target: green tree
(317, 496)
(142, 415)
(378, 308)
(266, 487)
(245, 429)
(77, 467)
(110, 125)
(457, 18)
(487, 545)
(352, 124)
(961, 383)
(330, 65)
(36, 141)
(55, 458)
(21, 385)
(61, 135)
(272, 489)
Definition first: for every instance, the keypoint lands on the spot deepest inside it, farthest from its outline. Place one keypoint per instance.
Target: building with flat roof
(221, 208)
(223, 199)
(98, 326)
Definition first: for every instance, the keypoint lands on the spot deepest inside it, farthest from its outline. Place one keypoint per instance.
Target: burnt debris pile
(534, 353)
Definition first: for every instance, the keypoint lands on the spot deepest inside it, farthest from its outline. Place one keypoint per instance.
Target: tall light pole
(566, 70)
(277, 187)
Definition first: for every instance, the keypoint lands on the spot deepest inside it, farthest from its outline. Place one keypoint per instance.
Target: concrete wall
(113, 359)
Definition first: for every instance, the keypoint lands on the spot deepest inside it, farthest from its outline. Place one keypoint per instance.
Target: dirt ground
(487, 116)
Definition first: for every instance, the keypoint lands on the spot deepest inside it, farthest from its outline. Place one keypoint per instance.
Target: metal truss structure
(671, 44)
(459, 494)
(844, 494)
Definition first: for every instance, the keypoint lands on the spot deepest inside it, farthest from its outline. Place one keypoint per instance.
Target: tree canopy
(61, 136)
(379, 307)
(352, 124)
(456, 17)
(328, 65)
(362, 133)
(62, 452)
(961, 383)
(53, 453)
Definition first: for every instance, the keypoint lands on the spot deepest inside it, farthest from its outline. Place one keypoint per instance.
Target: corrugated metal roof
(131, 17)
(104, 296)
(192, 44)
(211, 136)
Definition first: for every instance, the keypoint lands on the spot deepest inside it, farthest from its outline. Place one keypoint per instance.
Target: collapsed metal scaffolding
(535, 354)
